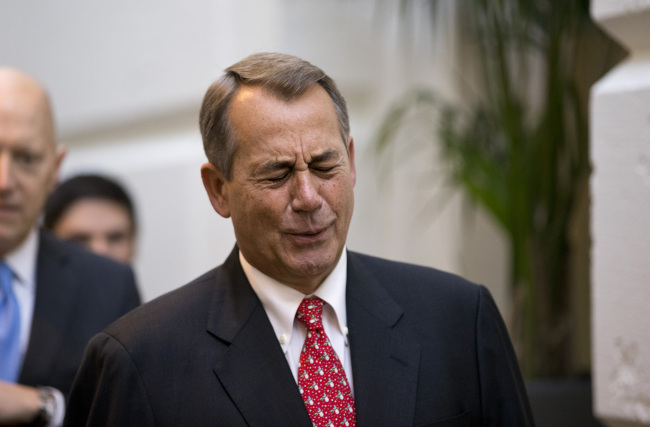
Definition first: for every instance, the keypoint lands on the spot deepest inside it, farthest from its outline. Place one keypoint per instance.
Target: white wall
(620, 120)
(127, 80)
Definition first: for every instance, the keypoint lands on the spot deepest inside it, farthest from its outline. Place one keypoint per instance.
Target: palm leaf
(518, 145)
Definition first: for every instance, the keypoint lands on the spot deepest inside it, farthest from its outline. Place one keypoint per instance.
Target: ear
(215, 185)
(59, 156)
(353, 169)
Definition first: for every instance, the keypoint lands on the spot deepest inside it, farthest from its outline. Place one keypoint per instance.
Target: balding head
(23, 98)
(29, 158)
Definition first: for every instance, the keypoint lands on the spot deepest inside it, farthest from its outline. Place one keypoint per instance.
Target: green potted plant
(518, 145)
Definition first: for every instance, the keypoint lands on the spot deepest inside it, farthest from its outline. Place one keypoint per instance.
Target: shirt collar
(281, 301)
(22, 261)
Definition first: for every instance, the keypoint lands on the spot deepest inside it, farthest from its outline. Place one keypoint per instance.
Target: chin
(8, 243)
(314, 266)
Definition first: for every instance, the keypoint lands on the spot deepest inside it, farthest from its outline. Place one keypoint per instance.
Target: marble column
(620, 126)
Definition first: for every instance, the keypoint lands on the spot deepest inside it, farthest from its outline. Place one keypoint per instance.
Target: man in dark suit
(294, 329)
(54, 296)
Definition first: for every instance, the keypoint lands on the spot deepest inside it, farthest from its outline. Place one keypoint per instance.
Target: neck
(306, 288)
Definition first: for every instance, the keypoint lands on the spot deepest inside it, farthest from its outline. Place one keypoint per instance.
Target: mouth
(308, 235)
(8, 209)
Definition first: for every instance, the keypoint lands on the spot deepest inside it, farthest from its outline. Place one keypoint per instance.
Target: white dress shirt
(22, 262)
(281, 303)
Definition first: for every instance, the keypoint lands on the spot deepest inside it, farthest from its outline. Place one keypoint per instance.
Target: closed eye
(323, 169)
(279, 178)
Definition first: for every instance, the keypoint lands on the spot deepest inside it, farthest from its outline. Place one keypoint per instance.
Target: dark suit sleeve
(503, 396)
(131, 297)
(108, 388)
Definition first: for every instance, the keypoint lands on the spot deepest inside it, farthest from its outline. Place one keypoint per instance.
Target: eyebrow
(325, 156)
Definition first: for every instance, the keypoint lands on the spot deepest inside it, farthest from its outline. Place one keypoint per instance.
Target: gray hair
(286, 76)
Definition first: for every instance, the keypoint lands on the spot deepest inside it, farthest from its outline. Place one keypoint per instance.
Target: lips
(308, 232)
(7, 209)
(309, 235)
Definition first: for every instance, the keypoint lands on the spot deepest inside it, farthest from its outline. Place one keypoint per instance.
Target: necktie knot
(310, 313)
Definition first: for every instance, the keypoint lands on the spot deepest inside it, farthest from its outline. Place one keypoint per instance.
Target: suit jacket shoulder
(203, 354)
(415, 294)
(441, 342)
(77, 294)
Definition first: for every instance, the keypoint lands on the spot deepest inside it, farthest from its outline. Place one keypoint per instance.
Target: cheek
(125, 249)
(339, 194)
(38, 187)
(269, 202)
(35, 195)
(257, 211)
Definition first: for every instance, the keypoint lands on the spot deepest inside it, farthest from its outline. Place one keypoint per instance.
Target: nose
(99, 245)
(6, 179)
(305, 197)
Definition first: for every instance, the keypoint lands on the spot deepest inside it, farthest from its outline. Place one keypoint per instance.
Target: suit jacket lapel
(55, 297)
(384, 359)
(252, 367)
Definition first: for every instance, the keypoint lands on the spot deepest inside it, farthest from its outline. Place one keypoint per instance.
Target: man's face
(103, 226)
(291, 195)
(28, 158)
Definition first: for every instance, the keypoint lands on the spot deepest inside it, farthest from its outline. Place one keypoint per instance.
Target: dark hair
(285, 76)
(83, 187)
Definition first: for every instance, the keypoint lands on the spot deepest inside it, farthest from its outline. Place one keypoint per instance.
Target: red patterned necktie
(321, 379)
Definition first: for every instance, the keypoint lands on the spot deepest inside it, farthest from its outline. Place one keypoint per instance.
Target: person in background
(294, 329)
(54, 295)
(96, 212)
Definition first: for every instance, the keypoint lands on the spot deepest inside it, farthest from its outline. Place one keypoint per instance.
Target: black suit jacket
(77, 295)
(427, 348)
